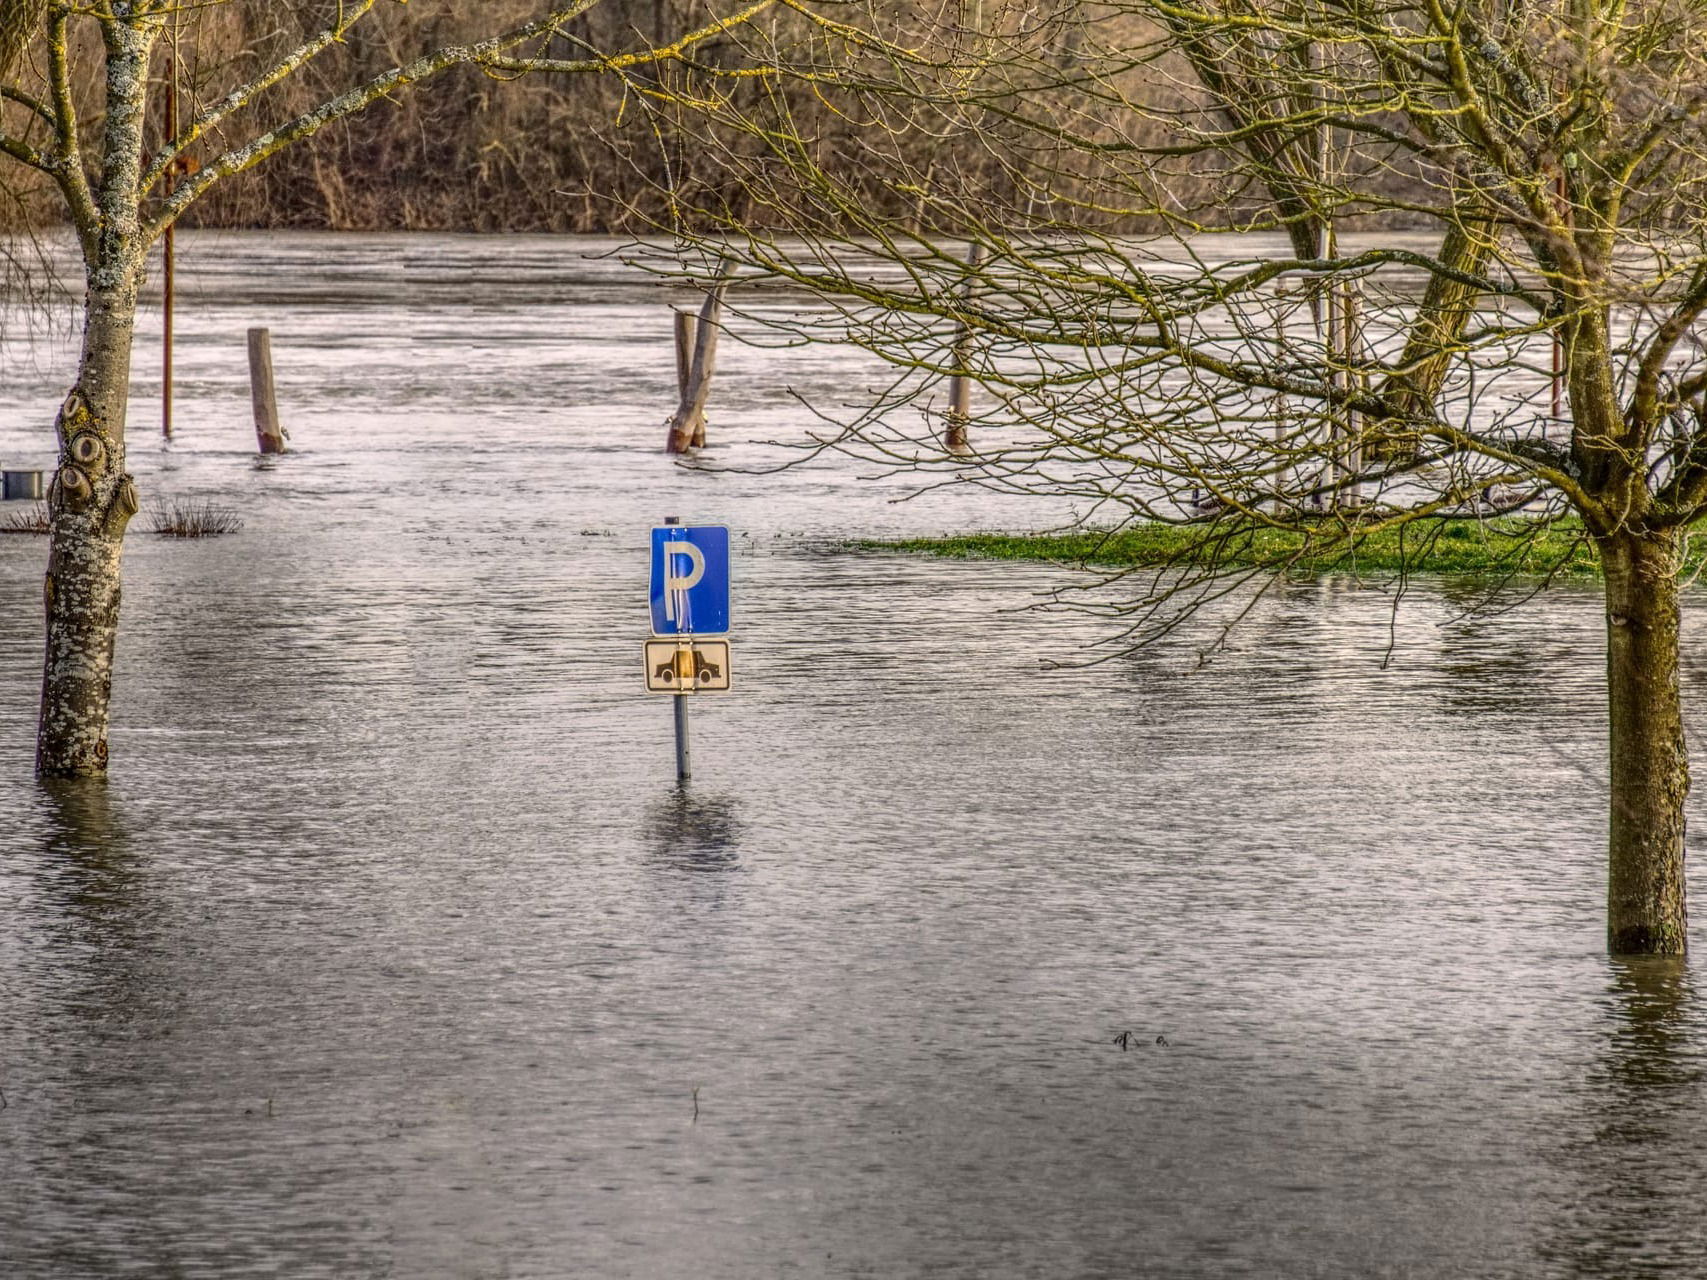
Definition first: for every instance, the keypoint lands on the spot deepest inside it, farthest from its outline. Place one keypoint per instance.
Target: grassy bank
(1459, 547)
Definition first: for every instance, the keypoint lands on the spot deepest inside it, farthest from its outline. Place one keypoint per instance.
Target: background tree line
(614, 152)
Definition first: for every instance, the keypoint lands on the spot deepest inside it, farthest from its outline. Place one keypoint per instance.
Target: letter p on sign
(676, 583)
(690, 580)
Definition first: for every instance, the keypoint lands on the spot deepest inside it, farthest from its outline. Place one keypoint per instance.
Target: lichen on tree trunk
(92, 499)
(1646, 912)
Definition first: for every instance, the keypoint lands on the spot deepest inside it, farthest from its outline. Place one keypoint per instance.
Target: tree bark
(1646, 912)
(92, 500)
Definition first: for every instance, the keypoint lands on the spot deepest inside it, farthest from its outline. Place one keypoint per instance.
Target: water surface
(391, 948)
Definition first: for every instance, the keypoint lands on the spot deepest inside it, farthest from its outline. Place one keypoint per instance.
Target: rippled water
(392, 949)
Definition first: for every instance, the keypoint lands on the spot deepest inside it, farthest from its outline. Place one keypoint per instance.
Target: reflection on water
(1642, 1145)
(88, 892)
(87, 875)
(80, 823)
(692, 831)
(392, 947)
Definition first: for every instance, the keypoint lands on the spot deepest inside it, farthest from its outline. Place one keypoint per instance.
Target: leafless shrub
(192, 518)
(32, 519)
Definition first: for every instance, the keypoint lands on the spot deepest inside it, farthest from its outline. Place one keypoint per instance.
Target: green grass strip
(1466, 547)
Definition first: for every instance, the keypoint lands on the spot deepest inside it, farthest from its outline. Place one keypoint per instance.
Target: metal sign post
(684, 761)
(689, 600)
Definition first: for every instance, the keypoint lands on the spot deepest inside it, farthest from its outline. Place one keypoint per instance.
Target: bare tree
(1461, 199)
(90, 135)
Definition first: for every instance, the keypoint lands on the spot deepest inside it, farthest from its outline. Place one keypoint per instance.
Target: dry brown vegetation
(193, 518)
(481, 152)
(32, 519)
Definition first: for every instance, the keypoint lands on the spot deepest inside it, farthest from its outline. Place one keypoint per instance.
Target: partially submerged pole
(168, 281)
(959, 401)
(269, 435)
(169, 245)
(1562, 195)
(960, 385)
(1336, 307)
(1350, 342)
(684, 765)
(685, 326)
(687, 333)
(687, 425)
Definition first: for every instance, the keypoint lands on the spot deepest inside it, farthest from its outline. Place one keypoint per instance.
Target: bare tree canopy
(19, 20)
(1482, 290)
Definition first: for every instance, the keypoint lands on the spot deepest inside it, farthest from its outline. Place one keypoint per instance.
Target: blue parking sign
(690, 580)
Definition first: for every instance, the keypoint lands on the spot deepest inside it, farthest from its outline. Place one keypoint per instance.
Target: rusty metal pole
(1558, 338)
(169, 248)
(166, 347)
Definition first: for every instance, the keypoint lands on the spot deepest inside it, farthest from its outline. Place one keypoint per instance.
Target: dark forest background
(579, 153)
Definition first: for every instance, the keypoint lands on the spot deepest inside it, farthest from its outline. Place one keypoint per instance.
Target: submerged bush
(33, 519)
(192, 519)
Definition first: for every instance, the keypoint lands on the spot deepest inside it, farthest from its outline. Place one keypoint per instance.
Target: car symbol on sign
(703, 668)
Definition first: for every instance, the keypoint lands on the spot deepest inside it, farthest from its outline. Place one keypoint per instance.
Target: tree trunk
(91, 500)
(1649, 761)
(1446, 309)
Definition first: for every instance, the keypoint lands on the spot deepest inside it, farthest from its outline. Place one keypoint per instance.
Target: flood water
(392, 948)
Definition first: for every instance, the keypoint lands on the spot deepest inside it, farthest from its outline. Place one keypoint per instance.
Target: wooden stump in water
(693, 375)
(685, 326)
(687, 330)
(960, 385)
(268, 433)
(959, 410)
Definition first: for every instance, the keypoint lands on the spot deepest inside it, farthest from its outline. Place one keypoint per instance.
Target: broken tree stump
(687, 425)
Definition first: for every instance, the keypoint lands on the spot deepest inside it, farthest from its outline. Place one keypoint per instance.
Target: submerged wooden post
(960, 385)
(1351, 335)
(687, 333)
(959, 400)
(268, 433)
(685, 325)
(687, 425)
